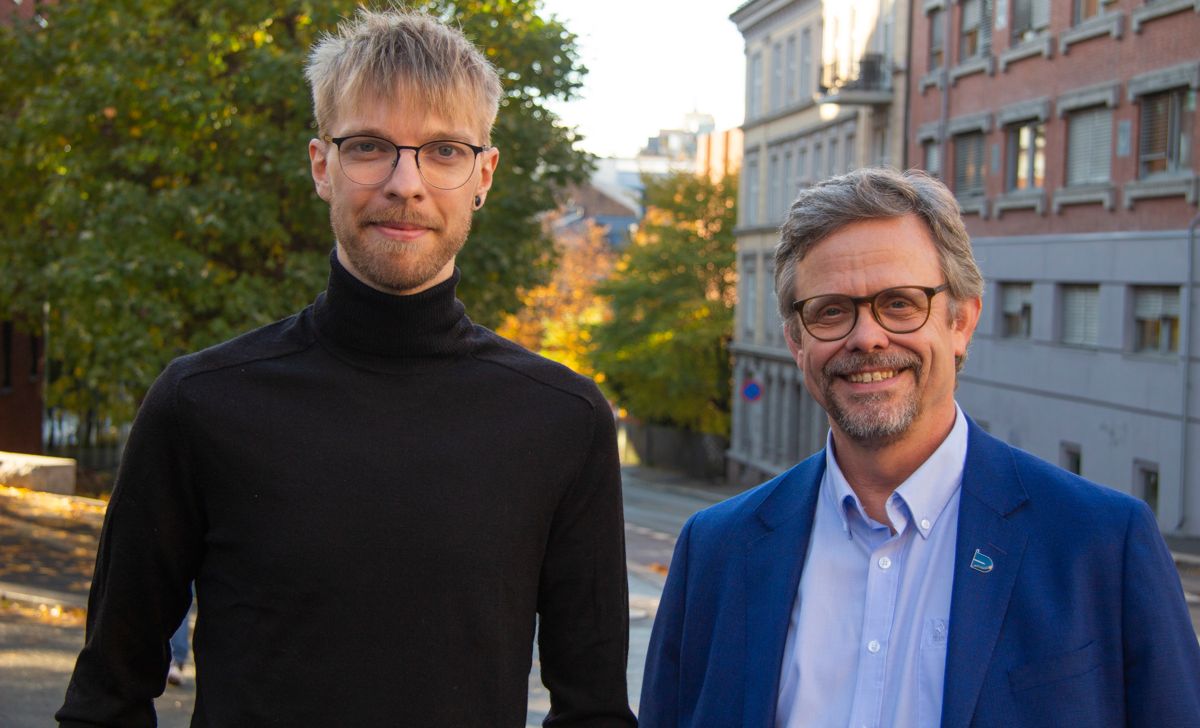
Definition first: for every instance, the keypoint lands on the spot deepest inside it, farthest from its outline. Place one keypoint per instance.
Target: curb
(35, 597)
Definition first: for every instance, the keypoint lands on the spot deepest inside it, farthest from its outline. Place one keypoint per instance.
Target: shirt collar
(925, 493)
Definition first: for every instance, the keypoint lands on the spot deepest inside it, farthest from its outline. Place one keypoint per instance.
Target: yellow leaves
(259, 37)
(135, 132)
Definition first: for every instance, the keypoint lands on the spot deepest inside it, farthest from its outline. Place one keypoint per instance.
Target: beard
(393, 265)
(874, 419)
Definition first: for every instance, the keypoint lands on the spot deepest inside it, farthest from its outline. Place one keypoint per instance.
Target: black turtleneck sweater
(375, 498)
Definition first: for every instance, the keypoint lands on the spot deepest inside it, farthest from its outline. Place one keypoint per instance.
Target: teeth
(879, 376)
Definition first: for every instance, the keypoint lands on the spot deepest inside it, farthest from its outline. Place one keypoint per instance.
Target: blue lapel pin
(981, 562)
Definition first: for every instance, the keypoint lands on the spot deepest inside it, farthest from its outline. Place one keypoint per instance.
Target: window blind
(1089, 146)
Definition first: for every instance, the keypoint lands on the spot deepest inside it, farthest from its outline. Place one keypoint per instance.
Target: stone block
(37, 472)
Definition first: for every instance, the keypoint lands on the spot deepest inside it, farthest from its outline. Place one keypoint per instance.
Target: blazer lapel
(991, 541)
(775, 553)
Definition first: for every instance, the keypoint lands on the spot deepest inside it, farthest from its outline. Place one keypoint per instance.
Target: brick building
(1068, 131)
(21, 355)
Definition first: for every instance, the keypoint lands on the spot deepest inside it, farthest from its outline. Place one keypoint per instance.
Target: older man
(376, 498)
(917, 572)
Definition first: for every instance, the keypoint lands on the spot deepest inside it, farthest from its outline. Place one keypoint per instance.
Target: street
(47, 545)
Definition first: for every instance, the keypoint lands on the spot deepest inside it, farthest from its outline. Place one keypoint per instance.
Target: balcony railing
(868, 81)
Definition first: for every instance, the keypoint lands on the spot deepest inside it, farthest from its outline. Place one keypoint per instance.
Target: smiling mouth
(875, 376)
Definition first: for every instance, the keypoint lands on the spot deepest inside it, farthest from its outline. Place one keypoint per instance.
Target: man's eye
(446, 151)
(364, 146)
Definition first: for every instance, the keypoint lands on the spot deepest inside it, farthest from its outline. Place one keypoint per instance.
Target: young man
(917, 572)
(377, 499)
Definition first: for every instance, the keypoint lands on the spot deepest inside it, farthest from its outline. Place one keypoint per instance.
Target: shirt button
(885, 562)
(873, 646)
(925, 524)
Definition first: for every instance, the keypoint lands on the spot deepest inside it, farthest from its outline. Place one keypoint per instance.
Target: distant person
(378, 500)
(917, 571)
(179, 653)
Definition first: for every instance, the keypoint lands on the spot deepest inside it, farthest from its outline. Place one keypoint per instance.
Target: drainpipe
(943, 120)
(1187, 370)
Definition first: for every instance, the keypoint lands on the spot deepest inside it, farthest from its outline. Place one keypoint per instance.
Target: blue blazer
(1080, 622)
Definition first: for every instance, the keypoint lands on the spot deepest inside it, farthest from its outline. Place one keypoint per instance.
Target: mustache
(858, 361)
(400, 217)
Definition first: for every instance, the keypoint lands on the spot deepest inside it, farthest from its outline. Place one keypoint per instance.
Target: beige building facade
(825, 93)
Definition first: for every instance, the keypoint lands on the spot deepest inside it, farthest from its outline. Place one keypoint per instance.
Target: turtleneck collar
(354, 316)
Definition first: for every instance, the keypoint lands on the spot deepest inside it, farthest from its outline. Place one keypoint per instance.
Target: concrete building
(1067, 131)
(825, 93)
(719, 153)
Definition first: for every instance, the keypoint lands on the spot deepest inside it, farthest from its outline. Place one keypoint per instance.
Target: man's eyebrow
(457, 135)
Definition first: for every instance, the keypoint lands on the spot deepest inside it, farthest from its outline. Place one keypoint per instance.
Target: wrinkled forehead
(446, 108)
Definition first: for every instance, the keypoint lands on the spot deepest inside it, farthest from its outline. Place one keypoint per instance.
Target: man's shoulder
(271, 341)
(785, 496)
(536, 370)
(1055, 492)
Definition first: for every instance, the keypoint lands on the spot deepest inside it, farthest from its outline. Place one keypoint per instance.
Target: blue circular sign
(751, 390)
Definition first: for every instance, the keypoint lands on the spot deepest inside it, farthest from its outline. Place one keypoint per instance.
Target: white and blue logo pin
(981, 562)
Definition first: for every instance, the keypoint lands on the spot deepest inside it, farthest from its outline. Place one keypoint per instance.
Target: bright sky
(649, 63)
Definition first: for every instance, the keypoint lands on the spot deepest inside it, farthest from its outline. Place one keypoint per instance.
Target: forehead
(405, 116)
(868, 256)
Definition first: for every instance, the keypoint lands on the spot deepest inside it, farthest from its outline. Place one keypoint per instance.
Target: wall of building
(808, 116)
(21, 374)
(1108, 405)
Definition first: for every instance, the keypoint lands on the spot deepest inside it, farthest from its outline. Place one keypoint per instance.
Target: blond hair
(399, 55)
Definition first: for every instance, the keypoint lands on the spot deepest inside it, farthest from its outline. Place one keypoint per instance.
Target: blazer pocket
(1054, 669)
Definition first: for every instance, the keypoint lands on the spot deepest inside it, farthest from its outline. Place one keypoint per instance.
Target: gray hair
(873, 193)
(400, 54)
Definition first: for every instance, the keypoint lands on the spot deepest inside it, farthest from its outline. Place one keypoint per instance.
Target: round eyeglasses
(900, 310)
(442, 163)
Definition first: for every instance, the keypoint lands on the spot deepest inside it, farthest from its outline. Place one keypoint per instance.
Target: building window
(801, 167)
(1146, 476)
(933, 157)
(749, 302)
(754, 86)
(1026, 156)
(975, 29)
(1070, 457)
(1016, 303)
(774, 189)
(818, 169)
(750, 174)
(1165, 141)
(787, 185)
(1080, 318)
(1156, 319)
(833, 156)
(849, 165)
(1085, 9)
(6, 355)
(776, 76)
(1029, 17)
(937, 42)
(1089, 146)
(806, 64)
(35, 349)
(968, 164)
(789, 71)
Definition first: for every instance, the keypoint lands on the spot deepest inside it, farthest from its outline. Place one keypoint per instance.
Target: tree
(664, 352)
(156, 180)
(557, 317)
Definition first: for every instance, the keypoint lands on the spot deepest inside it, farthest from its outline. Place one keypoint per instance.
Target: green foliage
(664, 352)
(156, 177)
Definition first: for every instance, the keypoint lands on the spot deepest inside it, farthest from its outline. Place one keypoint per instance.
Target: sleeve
(660, 685)
(149, 551)
(1162, 657)
(583, 595)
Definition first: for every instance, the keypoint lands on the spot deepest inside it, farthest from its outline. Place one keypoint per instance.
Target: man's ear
(966, 318)
(794, 347)
(488, 161)
(319, 164)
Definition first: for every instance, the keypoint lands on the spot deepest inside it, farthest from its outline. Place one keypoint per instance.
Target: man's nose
(405, 180)
(867, 334)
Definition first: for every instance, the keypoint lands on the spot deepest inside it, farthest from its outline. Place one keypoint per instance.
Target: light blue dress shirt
(866, 647)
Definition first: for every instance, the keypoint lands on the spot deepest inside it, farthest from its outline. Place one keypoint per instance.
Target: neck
(875, 469)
